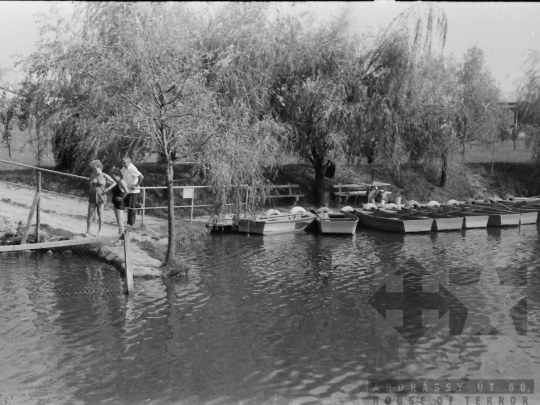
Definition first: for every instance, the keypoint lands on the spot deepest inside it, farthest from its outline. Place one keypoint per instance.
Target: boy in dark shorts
(119, 192)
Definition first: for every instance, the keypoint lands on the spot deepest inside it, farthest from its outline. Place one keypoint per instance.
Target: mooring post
(492, 156)
(36, 238)
(29, 220)
(127, 256)
(143, 205)
(192, 199)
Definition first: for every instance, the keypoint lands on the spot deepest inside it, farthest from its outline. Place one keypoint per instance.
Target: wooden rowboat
(447, 223)
(385, 221)
(528, 201)
(528, 215)
(528, 218)
(337, 223)
(471, 219)
(441, 221)
(522, 208)
(500, 218)
(274, 224)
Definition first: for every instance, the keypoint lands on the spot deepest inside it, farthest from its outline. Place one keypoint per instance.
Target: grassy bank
(186, 234)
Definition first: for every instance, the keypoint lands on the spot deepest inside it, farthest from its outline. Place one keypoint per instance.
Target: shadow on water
(267, 319)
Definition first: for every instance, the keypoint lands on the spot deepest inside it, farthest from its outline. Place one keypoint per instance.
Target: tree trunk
(170, 204)
(320, 169)
(464, 143)
(514, 140)
(39, 153)
(444, 170)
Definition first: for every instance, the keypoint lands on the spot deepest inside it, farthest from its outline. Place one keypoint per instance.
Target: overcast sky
(504, 31)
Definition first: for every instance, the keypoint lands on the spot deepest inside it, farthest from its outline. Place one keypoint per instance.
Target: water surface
(263, 320)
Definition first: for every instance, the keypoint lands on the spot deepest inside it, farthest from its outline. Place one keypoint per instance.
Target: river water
(267, 320)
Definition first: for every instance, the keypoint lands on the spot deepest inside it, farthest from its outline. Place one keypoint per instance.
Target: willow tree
(139, 69)
(237, 44)
(8, 111)
(392, 74)
(309, 92)
(528, 106)
(342, 96)
(437, 119)
(480, 110)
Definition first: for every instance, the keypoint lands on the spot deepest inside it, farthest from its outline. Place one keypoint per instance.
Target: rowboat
(446, 223)
(391, 222)
(499, 218)
(472, 218)
(441, 221)
(273, 224)
(521, 207)
(528, 215)
(528, 201)
(337, 223)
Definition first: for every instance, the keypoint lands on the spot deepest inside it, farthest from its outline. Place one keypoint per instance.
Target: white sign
(187, 192)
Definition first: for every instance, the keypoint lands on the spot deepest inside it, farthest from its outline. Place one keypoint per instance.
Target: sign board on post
(187, 192)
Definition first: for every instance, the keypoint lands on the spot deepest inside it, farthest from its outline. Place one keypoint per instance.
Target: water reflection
(266, 319)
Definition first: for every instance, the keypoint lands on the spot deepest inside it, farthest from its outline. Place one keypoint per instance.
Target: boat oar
(502, 205)
(315, 212)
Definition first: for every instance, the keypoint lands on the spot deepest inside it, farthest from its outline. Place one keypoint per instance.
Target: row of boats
(398, 219)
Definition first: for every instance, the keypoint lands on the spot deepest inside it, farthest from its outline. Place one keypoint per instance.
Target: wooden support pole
(493, 156)
(143, 205)
(192, 202)
(29, 220)
(127, 256)
(36, 237)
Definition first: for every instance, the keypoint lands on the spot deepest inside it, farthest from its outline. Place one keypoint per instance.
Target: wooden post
(493, 155)
(143, 205)
(127, 256)
(29, 220)
(247, 199)
(36, 237)
(192, 199)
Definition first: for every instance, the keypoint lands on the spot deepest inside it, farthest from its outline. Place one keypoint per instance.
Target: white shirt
(130, 175)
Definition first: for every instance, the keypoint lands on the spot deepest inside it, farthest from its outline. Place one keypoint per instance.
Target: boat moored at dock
(498, 217)
(274, 224)
(529, 214)
(389, 222)
(334, 222)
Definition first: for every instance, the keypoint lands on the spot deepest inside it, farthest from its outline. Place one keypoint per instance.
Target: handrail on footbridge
(143, 208)
(44, 170)
(143, 205)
